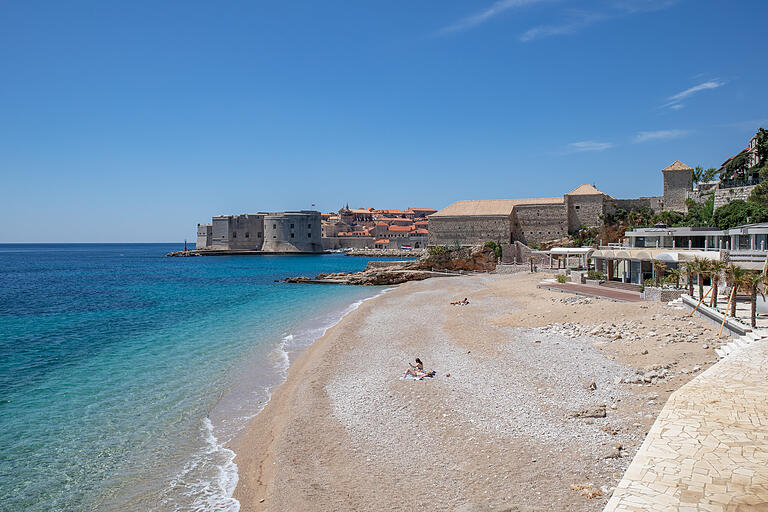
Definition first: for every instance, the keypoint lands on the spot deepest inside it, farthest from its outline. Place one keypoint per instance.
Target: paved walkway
(594, 291)
(708, 449)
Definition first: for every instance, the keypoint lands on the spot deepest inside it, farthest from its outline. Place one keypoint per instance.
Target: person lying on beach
(460, 302)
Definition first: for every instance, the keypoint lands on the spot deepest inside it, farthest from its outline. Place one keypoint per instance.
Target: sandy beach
(549, 397)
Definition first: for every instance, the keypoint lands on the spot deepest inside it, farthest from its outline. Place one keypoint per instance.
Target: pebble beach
(539, 401)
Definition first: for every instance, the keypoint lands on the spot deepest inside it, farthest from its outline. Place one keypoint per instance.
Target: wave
(214, 494)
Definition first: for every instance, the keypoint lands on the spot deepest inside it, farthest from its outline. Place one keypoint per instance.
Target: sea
(124, 374)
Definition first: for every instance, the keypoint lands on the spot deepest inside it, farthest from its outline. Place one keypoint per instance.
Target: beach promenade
(539, 402)
(708, 449)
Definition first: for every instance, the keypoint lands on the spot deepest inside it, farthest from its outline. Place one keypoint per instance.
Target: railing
(747, 182)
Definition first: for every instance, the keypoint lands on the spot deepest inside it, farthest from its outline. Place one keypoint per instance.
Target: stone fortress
(533, 221)
(282, 232)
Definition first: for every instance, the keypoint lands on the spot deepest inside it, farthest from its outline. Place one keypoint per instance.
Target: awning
(576, 251)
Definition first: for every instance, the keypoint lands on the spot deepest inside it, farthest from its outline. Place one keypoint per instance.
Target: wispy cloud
(490, 12)
(660, 135)
(674, 101)
(577, 21)
(589, 145)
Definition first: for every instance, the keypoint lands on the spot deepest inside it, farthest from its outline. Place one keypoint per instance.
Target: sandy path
(344, 433)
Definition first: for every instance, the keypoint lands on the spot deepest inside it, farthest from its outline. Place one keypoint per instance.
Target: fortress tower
(678, 181)
(292, 232)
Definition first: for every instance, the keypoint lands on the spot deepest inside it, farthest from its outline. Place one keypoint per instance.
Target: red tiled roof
(400, 228)
(422, 231)
(382, 241)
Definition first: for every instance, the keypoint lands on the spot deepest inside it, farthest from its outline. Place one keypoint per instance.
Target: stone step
(720, 353)
(741, 342)
(728, 349)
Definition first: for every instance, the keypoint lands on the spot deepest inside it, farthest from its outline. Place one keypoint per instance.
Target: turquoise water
(123, 374)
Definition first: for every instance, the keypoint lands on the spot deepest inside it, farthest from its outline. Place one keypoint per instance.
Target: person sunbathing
(413, 370)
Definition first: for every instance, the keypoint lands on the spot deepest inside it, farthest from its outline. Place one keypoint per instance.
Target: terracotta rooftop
(422, 231)
(677, 165)
(400, 228)
(585, 190)
(491, 206)
(382, 241)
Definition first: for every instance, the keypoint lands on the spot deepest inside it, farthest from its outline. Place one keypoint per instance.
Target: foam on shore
(237, 407)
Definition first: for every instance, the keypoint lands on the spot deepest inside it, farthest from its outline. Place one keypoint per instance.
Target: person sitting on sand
(465, 301)
(414, 369)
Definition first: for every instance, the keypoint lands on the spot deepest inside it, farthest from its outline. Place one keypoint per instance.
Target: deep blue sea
(124, 374)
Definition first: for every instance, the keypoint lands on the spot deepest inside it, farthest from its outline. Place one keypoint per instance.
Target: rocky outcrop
(439, 264)
(183, 254)
(475, 259)
(368, 277)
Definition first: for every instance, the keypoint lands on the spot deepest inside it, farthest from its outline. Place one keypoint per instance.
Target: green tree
(739, 212)
(709, 174)
(754, 280)
(690, 273)
(659, 268)
(716, 268)
(736, 277)
(697, 173)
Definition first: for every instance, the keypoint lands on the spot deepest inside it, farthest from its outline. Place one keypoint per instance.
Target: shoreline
(288, 354)
(298, 448)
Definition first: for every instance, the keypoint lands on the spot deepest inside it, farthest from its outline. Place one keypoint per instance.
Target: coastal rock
(430, 265)
(590, 412)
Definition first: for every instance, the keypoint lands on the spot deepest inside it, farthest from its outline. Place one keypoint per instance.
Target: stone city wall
(584, 210)
(539, 223)
(246, 232)
(726, 195)
(654, 203)
(204, 235)
(468, 230)
(332, 243)
(292, 232)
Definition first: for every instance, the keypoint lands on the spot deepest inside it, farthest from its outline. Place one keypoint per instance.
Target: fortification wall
(584, 210)
(331, 243)
(220, 232)
(726, 195)
(537, 223)
(204, 235)
(292, 232)
(611, 205)
(468, 230)
(246, 232)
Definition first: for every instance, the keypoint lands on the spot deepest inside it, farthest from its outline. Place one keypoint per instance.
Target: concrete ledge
(734, 327)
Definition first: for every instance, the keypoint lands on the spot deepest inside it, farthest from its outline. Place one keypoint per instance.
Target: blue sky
(133, 121)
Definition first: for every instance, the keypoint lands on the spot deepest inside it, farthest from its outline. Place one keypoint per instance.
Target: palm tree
(659, 267)
(702, 268)
(677, 273)
(754, 280)
(690, 272)
(716, 268)
(736, 277)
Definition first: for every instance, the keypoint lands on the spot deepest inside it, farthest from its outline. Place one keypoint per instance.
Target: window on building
(292, 235)
(309, 235)
(291, 226)
(274, 236)
(309, 226)
(247, 235)
(234, 234)
(274, 226)
(577, 207)
(259, 235)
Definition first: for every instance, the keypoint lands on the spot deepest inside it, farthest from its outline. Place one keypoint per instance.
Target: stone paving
(708, 449)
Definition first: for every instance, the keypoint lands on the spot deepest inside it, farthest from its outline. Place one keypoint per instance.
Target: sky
(134, 121)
